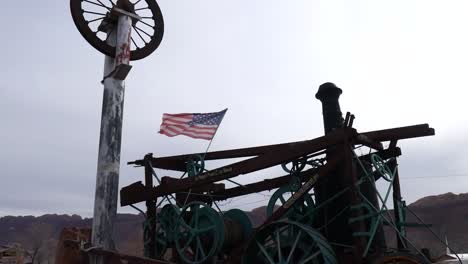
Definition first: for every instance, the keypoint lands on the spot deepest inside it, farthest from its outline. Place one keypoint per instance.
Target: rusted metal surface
(286, 153)
(68, 246)
(264, 185)
(177, 163)
(421, 130)
(371, 138)
(136, 193)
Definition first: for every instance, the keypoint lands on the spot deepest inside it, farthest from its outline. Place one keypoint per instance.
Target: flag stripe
(178, 119)
(180, 129)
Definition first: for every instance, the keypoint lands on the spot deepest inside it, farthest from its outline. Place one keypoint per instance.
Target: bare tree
(37, 237)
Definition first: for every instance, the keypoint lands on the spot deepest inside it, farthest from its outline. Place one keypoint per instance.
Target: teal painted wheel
(276, 244)
(200, 233)
(162, 242)
(302, 211)
(382, 167)
(294, 166)
(165, 231)
(168, 215)
(195, 165)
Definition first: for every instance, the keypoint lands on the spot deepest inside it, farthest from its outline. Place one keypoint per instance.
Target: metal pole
(150, 211)
(107, 177)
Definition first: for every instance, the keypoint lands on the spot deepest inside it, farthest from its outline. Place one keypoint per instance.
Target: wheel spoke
(143, 22)
(137, 2)
(103, 4)
(97, 4)
(187, 243)
(294, 246)
(143, 31)
(140, 35)
(91, 21)
(206, 229)
(282, 199)
(94, 13)
(264, 252)
(310, 257)
(280, 257)
(199, 247)
(141, 8)
(196, 218)
(134, 43)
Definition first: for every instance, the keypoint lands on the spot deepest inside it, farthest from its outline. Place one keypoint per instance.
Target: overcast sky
(398, 62)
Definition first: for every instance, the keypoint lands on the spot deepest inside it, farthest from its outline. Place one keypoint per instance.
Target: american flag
(193, 125)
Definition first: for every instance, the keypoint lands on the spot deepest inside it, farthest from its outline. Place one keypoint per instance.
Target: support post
(107, 177)
(356, 227)
(397, 203)
(150, 244)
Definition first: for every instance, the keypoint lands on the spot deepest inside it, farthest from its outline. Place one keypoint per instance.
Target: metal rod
(150, 210)
(396, 204)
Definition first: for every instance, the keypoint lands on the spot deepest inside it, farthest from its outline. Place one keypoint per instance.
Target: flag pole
(216, 131)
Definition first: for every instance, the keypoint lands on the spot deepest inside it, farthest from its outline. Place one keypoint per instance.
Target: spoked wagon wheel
(302, 211)
(199, 233)
(276, 244)
(88, 15)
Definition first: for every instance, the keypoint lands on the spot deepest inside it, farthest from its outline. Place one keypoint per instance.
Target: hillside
(447, 213)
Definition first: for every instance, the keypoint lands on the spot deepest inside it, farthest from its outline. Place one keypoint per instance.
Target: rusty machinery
(326, 209)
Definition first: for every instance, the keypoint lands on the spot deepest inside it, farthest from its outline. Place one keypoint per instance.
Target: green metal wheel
(195, 165)
(162, 242)
(168, 215)
(199, 233)
(382, 167)
(276, 244)
(294, 166)
(302, 211)
(165, 231)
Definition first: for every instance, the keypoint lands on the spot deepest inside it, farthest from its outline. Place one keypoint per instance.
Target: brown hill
(447, 213)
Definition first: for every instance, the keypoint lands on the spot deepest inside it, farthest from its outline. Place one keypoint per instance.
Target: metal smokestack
(328, 94)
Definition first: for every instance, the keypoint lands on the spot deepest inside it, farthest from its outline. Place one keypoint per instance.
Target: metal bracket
(119, 73)
(118, 12)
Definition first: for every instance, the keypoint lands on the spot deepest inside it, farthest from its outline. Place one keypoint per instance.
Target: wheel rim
(195, 165)
(380, 165)
(302, 211)
(88, 14)
(294, 166)
(276, 244)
